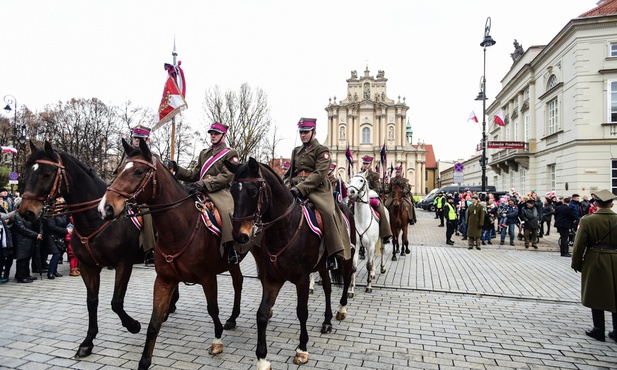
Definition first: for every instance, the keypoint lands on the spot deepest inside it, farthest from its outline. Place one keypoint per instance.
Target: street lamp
(488, 41)
(11, 105)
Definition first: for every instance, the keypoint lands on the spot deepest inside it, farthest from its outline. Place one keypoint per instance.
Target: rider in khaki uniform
(372, 177)
(595, 256)
(147, 236)
(399, 180)
(310, 164)
(211, 177)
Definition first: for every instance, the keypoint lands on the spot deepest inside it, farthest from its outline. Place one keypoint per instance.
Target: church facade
(365, 120)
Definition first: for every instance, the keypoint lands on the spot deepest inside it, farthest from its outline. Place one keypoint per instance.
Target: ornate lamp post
(488, 41)
(11, 104)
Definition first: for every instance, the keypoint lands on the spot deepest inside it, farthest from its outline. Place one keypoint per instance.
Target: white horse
(367, 228)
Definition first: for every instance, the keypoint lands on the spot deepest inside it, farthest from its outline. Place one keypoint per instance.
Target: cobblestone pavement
(440, 307)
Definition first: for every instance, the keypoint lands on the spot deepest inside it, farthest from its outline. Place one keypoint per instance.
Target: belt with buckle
(303, 173)
(604, 247)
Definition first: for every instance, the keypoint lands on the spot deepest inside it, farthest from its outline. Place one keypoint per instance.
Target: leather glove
(195, 187)
(172, 166)
(295, 192)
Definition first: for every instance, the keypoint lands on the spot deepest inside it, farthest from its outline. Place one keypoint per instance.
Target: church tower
(365, 120)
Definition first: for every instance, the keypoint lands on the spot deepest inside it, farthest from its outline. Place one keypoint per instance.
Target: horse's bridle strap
(150, 175)
(60, 177)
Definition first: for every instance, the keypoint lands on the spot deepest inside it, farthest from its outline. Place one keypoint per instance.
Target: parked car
(427, 203)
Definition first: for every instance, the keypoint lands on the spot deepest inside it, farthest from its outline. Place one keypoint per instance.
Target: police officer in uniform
(450, 215)
(399, 180)
(307, 175)
(211, 177)
(372, 177)
(147, 236)
(595, 256)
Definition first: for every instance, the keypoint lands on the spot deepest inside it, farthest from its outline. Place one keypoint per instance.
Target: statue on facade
(380, 74)
(367, 91)
(518, 51)
(354, 74)
(355, 96)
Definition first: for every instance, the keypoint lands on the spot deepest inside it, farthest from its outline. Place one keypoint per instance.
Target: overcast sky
(299, 53)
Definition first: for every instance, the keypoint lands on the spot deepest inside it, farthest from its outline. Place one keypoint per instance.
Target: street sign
(13, 182)
(458, 167)
(458, 177)
(13, 176)
(506, 144)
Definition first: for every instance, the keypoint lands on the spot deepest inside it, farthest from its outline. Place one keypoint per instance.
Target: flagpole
(173, 120)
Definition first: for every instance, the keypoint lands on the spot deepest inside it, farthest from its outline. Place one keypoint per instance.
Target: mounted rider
(403, 183)
(211, 177)
(147, 235)
(372, 178)
(307, 177)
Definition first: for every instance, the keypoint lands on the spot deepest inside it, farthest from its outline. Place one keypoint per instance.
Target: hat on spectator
(2, 189)
(141, 131)
(307, 124)
(604, 196)
(367, 159)
(286, 165)
(218, 127)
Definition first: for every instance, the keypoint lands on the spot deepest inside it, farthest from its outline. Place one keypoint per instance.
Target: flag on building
(472, 117)
(9, 149)
(499, 120)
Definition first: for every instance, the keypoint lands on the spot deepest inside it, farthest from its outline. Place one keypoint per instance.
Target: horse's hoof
(301, 358)
(394, 257)
(215, 349)
(383, 270)
(407, 251)
(349, 295)
(84, 351)
(310, 291)
(369, 290)
(229, 324)
(326, 328)
(172, 309)
(341, 316)
(135, 328)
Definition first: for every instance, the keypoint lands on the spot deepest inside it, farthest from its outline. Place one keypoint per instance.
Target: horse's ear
(253, 164)
(48, 149)
(145, 150)
(233, 167)
(33, 147)
(127, 147)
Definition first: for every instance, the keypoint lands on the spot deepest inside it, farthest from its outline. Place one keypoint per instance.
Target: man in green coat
(475, 221)
(211, 177)
(595, 256)
(310, 164)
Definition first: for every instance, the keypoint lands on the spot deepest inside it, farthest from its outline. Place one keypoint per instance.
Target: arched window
(366, 135)
(552, 82)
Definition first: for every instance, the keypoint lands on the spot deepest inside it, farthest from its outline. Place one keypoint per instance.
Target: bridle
(150, 176)
(360, 192)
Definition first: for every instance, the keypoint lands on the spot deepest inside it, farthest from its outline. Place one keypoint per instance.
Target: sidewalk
(441, 307)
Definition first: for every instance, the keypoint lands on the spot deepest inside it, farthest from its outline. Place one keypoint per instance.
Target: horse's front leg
(405, 241)
(237, 279)
(211, 291)
(270, 290)
(383, 259)
(163, 290)
(370, 268)
(326, 283)
(92, 279)
(348, 272)
(123, 274)
(395, 244)
(302, 355)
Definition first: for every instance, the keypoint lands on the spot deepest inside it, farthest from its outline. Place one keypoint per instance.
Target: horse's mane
(136, 151)
(42, 154)
(269, 169)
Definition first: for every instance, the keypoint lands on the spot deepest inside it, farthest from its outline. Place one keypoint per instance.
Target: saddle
(210, 214)
(312, 215)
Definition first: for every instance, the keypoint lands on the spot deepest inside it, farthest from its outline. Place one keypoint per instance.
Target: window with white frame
(527, 120)
(552, 116)
(523, 181)
(613, 51)
(612, 97)
(515, 136)
(613, 175)
(366, 135)
(552, 82)
(515, 109)
(552, 180)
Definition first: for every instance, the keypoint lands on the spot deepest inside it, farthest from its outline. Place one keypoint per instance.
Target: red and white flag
(9, 149)
(171, 103)
(472, 116)
(499, 120)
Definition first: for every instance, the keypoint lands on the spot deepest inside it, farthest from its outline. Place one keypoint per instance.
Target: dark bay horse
(50, 173)
(289, 250)
(399, 220)
(185, 250)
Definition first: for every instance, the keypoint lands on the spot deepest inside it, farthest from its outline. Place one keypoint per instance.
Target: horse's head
(44, 177)
(357, 188)
(136, 181)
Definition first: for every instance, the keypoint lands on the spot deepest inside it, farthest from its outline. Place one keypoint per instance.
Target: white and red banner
(472, 117)
(9, 149)
(171, 104)
(499, 120)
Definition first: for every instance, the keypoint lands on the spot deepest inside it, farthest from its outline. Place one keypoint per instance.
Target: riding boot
(385, 240)
(332, 263)
(149, 258)
(597, 332)
(233, 257)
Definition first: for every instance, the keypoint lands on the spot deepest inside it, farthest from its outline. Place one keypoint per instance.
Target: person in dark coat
(475, 221)
(25, 236)
(564, 219)
(55, 230)
(6, 245)
(547, 216)
(530, 219)
(595, 256)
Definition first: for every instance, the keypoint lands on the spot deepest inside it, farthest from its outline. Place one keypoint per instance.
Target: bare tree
(270, 144)
(247, 114)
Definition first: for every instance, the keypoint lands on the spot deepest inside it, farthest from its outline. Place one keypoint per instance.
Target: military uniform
(475, 221)
(403, 183)
(310, 165)
(215, 182)
(372, 178)
(595, 255)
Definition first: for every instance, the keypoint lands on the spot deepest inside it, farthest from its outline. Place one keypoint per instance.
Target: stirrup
(233, 257)
(332, 263)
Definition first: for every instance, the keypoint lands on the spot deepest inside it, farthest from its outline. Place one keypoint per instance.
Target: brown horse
(96, 244)
(399, 220)
(185, 250)
(289, 249)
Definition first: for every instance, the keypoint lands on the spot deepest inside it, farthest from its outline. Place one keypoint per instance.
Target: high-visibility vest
(451, 215)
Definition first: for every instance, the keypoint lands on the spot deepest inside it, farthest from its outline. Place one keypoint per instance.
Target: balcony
(505, 160)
